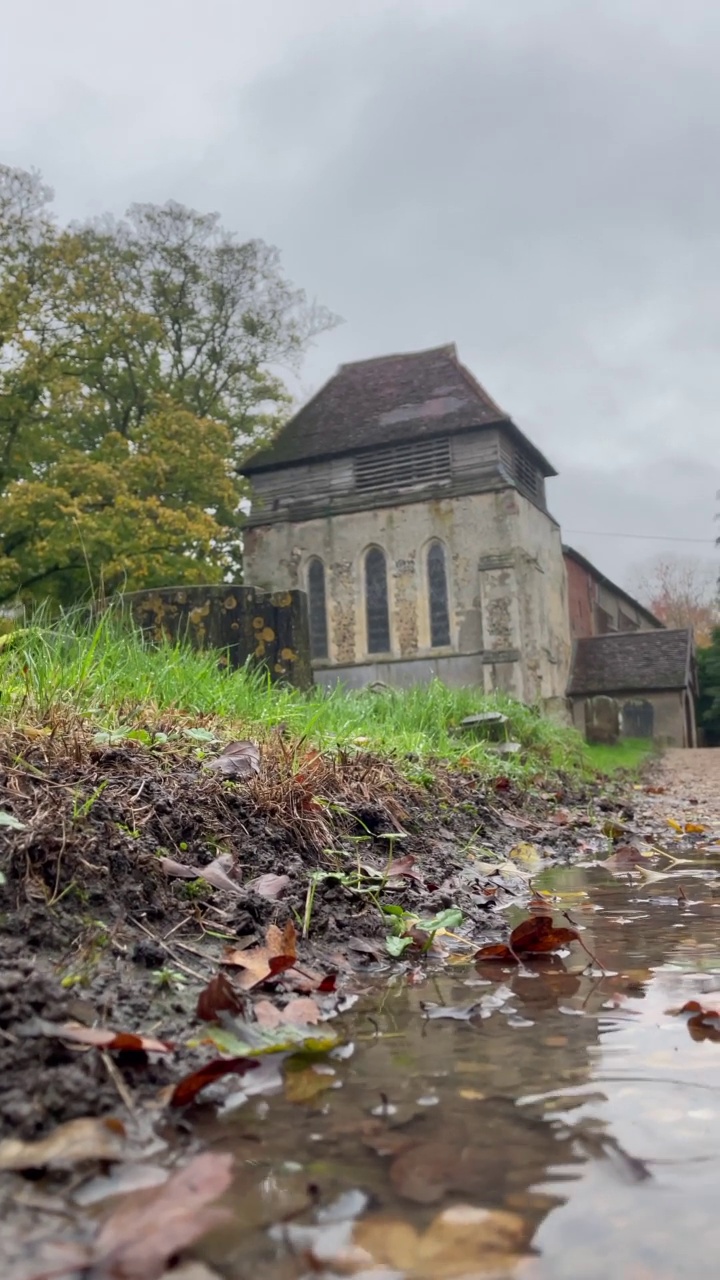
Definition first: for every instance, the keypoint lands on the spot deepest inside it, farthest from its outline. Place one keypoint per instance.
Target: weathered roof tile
(385, 401)
(631, 661)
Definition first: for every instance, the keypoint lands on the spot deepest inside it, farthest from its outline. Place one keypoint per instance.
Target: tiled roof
(631, 661)
(385, 401)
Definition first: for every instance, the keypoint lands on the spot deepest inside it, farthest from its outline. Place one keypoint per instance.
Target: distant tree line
(139, 364)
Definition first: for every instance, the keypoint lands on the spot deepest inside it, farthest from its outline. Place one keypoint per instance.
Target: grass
(630, 753)
(103, 673)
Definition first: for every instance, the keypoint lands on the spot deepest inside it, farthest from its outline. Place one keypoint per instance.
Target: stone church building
(412, 510)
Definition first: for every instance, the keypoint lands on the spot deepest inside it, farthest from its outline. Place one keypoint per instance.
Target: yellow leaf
(695, 827)
(676, 826)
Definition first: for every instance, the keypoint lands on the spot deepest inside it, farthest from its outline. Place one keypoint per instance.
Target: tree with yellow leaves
(136, 371)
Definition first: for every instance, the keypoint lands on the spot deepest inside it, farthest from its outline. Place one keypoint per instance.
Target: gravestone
(268, 629)
(602, 720)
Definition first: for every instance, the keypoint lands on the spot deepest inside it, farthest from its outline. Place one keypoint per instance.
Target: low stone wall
(270, 629)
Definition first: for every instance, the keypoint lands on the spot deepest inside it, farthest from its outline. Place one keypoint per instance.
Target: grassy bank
(104, 674)
(630, 754)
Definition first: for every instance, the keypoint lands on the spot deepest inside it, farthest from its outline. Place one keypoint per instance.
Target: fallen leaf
(218, 996)
(104, 1038)
(536, 936)
(401, 867)
(695, 828)
(278, 953)
(269, 886)
(305, 1081)
(138, 1240)
(238, 760)
(302, 1012)
(181, 869)
(308, 980)
(87, 1138)
(676, 826)
(190, 1086)
(462, 1241)
(214, 873)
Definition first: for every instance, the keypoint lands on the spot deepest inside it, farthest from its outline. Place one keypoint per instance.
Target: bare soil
(93, 930)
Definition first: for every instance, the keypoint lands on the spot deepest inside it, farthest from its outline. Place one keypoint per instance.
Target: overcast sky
(536, 180)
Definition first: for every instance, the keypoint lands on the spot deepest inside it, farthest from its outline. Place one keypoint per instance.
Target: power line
(647, 537)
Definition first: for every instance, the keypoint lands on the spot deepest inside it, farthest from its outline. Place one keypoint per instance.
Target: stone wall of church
(506, 591)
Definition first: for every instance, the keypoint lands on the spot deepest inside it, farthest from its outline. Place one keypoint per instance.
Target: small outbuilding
(652, 675)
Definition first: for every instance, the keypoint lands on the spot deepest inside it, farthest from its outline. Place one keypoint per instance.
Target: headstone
(270, 629)
(602, 720)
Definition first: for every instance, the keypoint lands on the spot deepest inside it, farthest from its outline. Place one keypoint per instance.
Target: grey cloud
(535, 180)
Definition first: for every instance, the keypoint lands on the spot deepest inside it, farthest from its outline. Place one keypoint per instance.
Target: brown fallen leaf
(308, 980)
(462, 1241)
(533, 937)
(301, 1012)
(144, 1233)
(148, 1228)
(104, 1038)
(215, 873)
(238, 760)
(305, 1082)
(269, 886)
(219, 996)
(88, 1138)
(190, 1086)
(278, 953)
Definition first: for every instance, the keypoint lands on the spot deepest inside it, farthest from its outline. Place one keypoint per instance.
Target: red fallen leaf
(190, 1086)
(269, 886)
(103, 1038)
(218, 996)
(697, 1009)
(278, 953)
(502, 784)
(139, 1239)
(536, 936)
(301, 1012)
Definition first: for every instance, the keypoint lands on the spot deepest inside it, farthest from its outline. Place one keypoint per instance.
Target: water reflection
(569, 1097)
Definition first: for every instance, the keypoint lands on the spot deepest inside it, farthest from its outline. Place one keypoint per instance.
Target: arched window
(376, 602)
(317, 609)
(438, 596)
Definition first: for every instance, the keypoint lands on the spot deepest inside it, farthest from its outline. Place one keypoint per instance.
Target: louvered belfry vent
(420, 462)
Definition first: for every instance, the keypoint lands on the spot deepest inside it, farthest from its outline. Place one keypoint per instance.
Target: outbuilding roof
(632, 661)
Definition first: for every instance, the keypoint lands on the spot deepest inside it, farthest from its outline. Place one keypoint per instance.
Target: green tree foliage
(709, 696)
(136, 373)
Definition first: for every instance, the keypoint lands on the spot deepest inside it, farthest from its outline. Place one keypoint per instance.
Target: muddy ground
(96, 931)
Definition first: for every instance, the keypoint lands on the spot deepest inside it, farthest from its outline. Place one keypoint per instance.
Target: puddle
(569, 1098)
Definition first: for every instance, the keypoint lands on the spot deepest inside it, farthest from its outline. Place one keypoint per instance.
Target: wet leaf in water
(238, 760)
(217, 997)
(304, 1080)
(269, 886)
(239, 1039)
(87, 1138)
(104, 1038)
(536, 936)
(463, 1241)
(144, 1233)
(278, 953)
(187, 1089)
